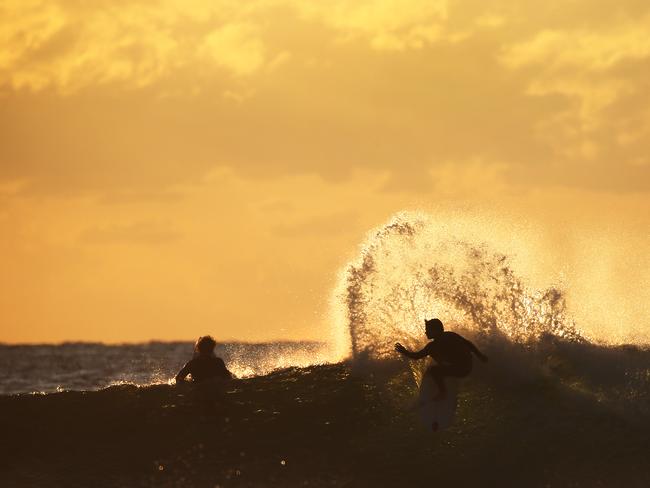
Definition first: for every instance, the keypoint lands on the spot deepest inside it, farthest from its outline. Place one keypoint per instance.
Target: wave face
(409, 271)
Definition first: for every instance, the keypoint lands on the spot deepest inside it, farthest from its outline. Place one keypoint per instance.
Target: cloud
(590, 66)
(137, 97)
(235, 47)
(70, 46)
(390, 25)
(582, 48)
(601, 73)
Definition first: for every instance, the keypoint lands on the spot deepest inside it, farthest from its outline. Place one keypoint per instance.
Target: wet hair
(434, 325)
(205, 345)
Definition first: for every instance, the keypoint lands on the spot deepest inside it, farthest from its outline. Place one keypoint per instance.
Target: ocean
(555, 406)
(562, 414)
(91, 366)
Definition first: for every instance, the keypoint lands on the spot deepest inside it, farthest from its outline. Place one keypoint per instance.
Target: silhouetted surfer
(204, 365)
(451, 352)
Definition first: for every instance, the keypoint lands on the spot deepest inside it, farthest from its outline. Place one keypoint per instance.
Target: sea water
(92, 366)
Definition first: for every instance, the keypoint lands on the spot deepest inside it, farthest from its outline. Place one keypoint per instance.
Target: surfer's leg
(438, 374)
(459, 370)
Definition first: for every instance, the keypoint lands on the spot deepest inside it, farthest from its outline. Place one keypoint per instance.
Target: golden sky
(175, 167)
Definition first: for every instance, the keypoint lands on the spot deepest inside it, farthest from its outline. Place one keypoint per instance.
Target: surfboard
(437, 415)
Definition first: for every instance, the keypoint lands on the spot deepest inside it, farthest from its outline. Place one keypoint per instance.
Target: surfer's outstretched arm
(411, 354)
(476, 352)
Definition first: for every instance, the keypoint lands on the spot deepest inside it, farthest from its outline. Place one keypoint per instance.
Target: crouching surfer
(451, 352)
(205, 365)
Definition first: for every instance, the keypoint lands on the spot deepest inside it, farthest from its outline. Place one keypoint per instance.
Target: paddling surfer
(205, 364)
(451, 352)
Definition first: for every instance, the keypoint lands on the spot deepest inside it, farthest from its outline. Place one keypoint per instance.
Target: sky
(172, 168)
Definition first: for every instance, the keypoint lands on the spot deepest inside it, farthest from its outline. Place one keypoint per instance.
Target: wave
(410, 269)
(326, 426)
(414, 268)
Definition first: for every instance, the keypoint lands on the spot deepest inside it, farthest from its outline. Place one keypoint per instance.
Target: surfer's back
(205, 364)
(207, 367)
(451, 348)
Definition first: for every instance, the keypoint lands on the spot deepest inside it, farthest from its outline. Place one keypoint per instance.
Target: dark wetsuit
(453, 356)
(205, 367)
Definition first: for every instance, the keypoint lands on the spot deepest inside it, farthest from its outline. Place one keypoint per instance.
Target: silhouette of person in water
(451, 352)
(204, 365)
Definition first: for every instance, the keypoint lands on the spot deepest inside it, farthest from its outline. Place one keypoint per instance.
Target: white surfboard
(437, 415)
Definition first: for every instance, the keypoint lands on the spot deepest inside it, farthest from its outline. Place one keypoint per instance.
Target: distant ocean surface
(92, 366)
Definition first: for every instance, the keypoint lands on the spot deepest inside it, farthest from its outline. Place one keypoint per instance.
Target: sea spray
(410, 269)
(416, 267)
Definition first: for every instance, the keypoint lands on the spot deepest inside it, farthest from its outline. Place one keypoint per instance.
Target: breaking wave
(413, 268)
(408, 271)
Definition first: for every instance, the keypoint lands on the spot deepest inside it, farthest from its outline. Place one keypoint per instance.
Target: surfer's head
(433, 328)
(205, 346)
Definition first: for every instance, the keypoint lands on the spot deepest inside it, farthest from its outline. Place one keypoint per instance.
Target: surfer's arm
(182, 374)
(412, 354)
(224, 372)
(476, 352)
